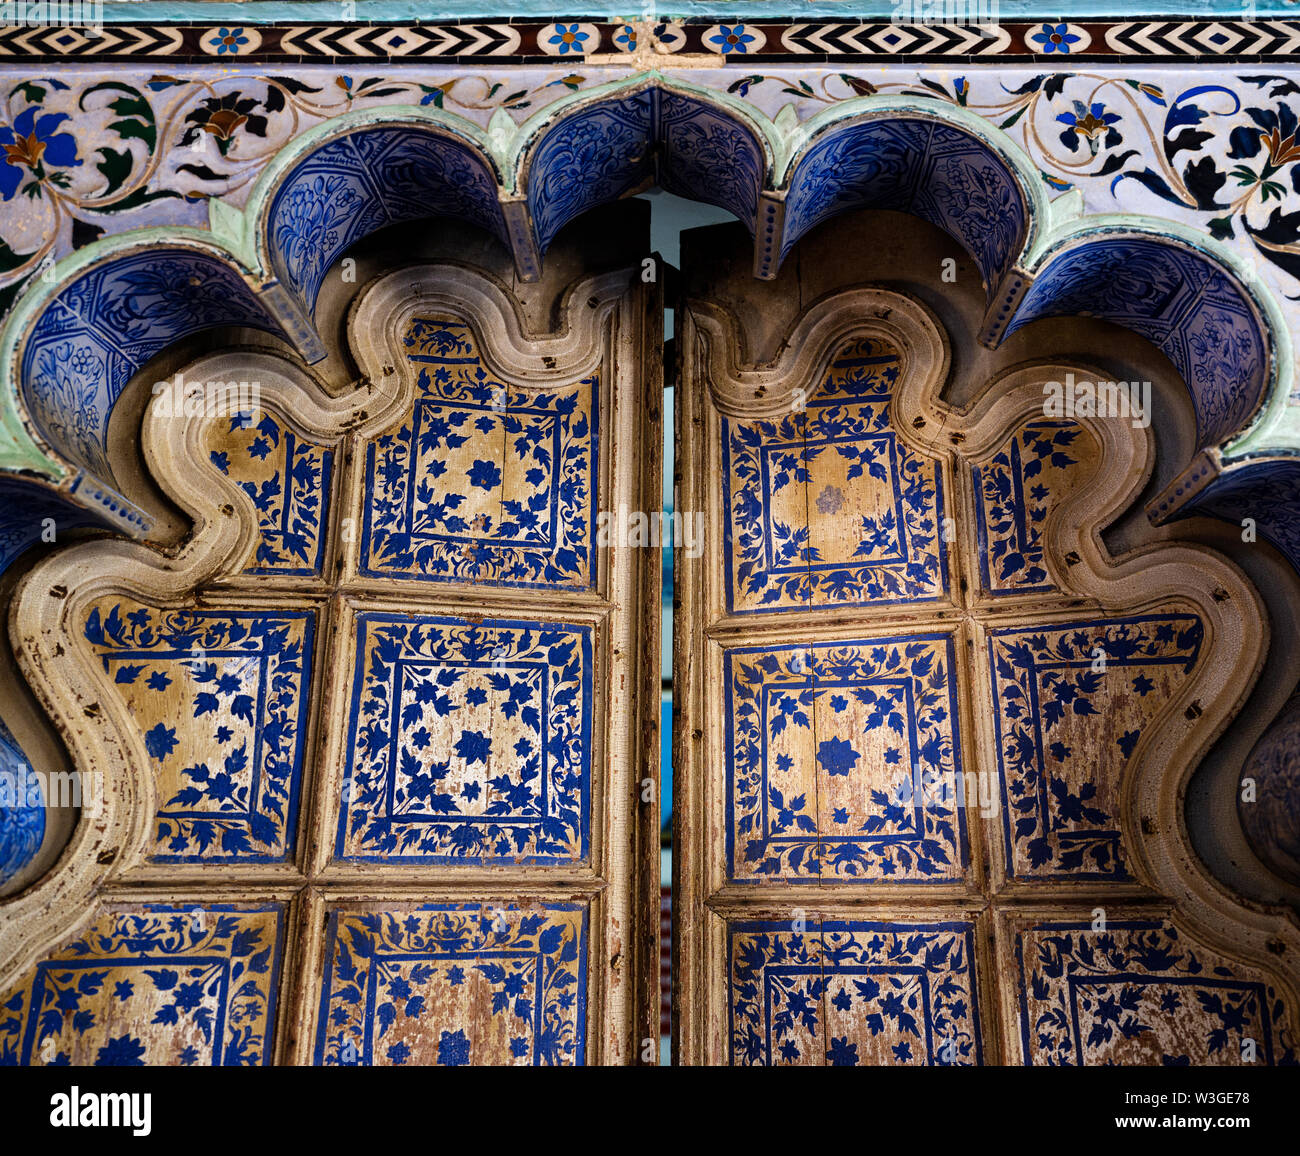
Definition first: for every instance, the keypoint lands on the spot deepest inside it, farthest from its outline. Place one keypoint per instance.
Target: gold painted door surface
(372, 745)
(931, 735)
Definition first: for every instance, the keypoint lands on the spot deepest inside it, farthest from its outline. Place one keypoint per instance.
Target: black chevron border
(791, 41)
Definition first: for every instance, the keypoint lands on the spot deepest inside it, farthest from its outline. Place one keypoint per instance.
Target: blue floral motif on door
(793, 540)
(482, 482)
(208, 974)
(1015, 491)
(288, 480)
(220, 700)
(1137, 992)
(853, 993)
(468, 743)
(1060, 789)
(844, 762)
(401, 985)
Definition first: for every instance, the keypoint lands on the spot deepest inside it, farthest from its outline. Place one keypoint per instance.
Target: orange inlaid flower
(1281, 150)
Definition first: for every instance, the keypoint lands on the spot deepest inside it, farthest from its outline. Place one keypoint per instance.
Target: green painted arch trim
(22, 447)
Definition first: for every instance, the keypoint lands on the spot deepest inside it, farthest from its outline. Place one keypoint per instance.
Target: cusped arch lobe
(592, 154)
(92, 336)
(370, 177)
(709, 154)
(1182, 301)
(918, 165)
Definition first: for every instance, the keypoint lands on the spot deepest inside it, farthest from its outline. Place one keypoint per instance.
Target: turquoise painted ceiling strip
(276, 11)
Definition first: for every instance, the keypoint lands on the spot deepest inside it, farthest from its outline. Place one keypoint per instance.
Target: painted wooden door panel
(931, 735)
(375, 738)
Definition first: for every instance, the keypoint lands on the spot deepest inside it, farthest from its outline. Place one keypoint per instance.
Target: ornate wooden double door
(369, 754)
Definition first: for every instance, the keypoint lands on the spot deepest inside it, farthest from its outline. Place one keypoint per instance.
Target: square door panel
(482, 482)
(179, 984)
(452, 984)
(849, 993)
(468, 742)
(220, 702)
(844, 762)
(1138, 991)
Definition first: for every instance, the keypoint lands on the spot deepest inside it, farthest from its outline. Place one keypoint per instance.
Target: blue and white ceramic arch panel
(1220, 351)
(872, 164)
(22, 808)
(709, 156)
(592, 156)
(91, 339)
(1262, 497)
(31, 513)
(1178, 300)
(359, 183)
(972, 195)
(1136, 282)
(1266, 493)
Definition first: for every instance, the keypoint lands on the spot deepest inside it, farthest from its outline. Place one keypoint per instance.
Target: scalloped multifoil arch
(79, 333)
(83, 330)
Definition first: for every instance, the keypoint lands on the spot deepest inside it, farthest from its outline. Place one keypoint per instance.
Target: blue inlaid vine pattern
(22, 808)
(1060, 792)
(1139, 992)
(288, 480)
(481, 481)
(152, 984)
(401, 985)
(844, 762)
(1015, 491)
(220, 700)
(793, 539)
(852, 993)
(468, 743)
